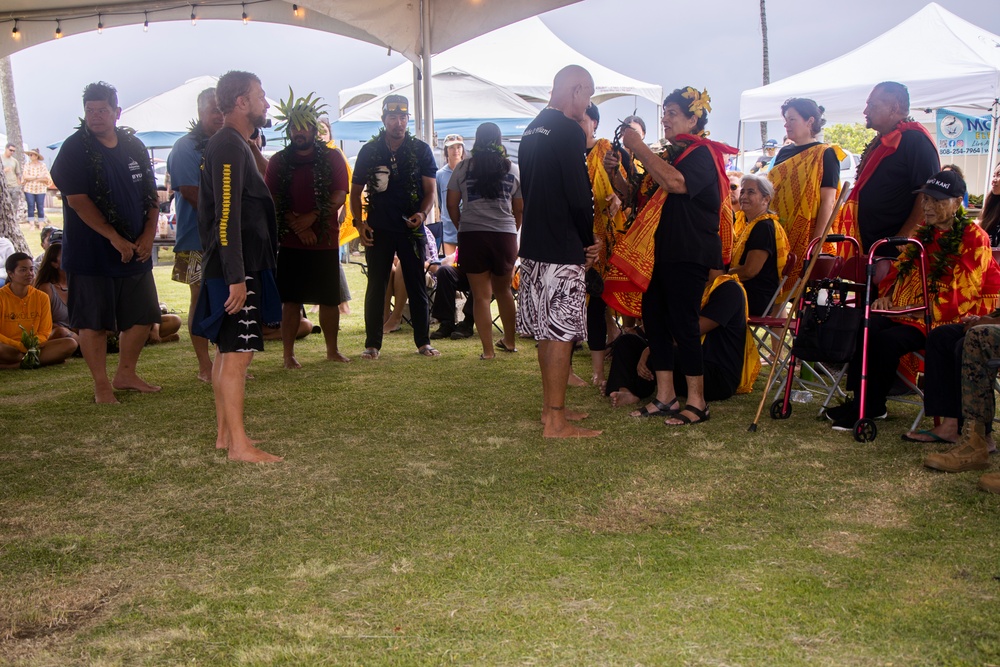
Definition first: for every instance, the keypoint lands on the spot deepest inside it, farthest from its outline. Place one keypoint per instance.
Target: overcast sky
(659, 41)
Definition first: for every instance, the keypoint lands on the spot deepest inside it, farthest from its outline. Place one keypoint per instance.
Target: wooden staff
(794, 303)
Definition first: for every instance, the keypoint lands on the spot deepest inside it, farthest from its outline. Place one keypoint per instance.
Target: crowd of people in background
(657, 259)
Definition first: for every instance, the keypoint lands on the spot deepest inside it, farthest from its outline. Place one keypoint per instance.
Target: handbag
(828, 329)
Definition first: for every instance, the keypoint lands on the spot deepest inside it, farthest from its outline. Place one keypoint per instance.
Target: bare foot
(596, 380)
(250, 454)
(337, 356)
(219, 444)
(623, 397)
(571, 415)
(370, 354)
(569, 431)
(391, 327)
(292, 363)
(134, 383)
(576, 381)
(104, 395)
(205, 377)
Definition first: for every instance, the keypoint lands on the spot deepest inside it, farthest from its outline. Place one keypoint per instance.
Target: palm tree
(9, 228)
(767, 65)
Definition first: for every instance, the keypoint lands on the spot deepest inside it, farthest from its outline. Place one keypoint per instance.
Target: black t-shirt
(236, 219)
(388, 208)
(723, 346)
(761, 287)
(689, 223)
(831, 165)
(887, 198)
(129, 178)
(558, 200)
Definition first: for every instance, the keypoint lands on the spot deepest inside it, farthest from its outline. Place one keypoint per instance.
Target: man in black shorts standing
(557, 241)
(110, 213)
(236, 222)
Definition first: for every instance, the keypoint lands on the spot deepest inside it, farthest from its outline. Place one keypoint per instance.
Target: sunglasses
(734, 187)
(396, 107)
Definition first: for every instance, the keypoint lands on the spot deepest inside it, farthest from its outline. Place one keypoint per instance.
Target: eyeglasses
(397, 107)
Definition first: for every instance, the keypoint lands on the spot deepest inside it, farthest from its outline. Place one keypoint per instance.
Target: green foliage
(298, 113)
(976, 201)
(851, 137)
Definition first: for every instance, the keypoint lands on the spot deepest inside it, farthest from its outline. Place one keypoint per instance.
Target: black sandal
(662, 409)
(687, 421)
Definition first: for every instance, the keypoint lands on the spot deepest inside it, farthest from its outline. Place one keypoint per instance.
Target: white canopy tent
(415, 29)
(526, 72)
(945, 61)
(461, 102)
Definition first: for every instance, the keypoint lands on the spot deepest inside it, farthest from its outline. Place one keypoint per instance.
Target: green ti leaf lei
(200, 138)
(101, 190)
(322, 178)
(942, 259)
(30, 342)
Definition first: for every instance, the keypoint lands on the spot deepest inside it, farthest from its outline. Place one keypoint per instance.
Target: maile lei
(949, 244)
(490, 148)
(322, 179)
(101, 191)
(197, 133)
(402, 163)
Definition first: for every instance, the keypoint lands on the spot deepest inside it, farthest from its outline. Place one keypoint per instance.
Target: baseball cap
(943, 185)
(395, 104)
(453, 139)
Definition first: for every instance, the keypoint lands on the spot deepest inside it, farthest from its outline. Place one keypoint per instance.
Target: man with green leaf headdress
(309, 184)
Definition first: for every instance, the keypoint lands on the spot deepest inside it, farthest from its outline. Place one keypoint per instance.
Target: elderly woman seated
(26, 320)
(761, 248)
(962, 281)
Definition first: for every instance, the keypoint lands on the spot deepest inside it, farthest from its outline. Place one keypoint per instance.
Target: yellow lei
(780, 239)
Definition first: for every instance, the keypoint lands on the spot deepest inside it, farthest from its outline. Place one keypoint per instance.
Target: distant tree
(851, 137)
(9, 229)
(767, 65)
(11, 120)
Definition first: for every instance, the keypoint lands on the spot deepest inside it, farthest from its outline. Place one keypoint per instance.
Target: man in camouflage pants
(982, 343)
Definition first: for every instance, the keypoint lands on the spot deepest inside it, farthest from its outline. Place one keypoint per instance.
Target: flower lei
(322, 178)
(101, 191)
(941, 259)
(407, 158)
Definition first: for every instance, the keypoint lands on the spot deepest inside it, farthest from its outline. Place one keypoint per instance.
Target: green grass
(420, 518)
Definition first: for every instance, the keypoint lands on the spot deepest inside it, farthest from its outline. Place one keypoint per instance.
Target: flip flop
(371, 354)
(934, 437)
(662, 409)
(503, 346)
(428, 351)
(687, 421)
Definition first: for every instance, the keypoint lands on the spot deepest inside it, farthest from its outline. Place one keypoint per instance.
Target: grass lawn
(420, 518)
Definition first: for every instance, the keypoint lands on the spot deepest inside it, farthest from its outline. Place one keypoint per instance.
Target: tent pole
(991, 161)
(418, 110)
(425, 56)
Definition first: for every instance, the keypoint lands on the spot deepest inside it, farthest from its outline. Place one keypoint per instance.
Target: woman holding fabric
(684, 188)
(806, 176)
(962, 280)
(761, 248)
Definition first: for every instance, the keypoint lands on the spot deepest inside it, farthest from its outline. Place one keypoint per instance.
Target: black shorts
(244, 331)
(309, 276)
(100, 303)
(487, 252)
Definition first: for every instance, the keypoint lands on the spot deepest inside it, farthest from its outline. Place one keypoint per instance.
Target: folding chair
(765, 327)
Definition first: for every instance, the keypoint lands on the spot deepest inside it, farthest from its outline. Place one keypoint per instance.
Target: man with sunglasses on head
(397, 172)
(110, 213)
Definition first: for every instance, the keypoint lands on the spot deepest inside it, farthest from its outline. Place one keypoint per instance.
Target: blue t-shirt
(184, 167)
(443, 177)
(129, 177)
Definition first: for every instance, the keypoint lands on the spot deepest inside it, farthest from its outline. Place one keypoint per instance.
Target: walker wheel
(865, 430)
(778, 410)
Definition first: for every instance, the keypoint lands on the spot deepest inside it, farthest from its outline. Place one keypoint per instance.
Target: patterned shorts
(187, 267)
(551, 301)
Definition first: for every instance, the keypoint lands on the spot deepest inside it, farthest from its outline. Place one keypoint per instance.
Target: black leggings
(597, 324)
(670, 311)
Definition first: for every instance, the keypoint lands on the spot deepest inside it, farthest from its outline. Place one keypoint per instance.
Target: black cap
(943, 185)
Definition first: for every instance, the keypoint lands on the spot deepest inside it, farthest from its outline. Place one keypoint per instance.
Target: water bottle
(801, 396)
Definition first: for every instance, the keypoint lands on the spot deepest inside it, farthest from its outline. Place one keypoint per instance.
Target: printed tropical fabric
(797, 200)
(551, 301)
(631, 264)
(608, 229)
(780, 239)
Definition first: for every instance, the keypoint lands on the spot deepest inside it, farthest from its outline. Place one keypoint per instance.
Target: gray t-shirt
(485, 215)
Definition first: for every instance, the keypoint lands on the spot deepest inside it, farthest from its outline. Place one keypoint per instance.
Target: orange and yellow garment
(797, 200)
(348, 232)
(608, 229)
(847, 220)
(631, 265)
(751, 359)
(780, 239)
(32, 312)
